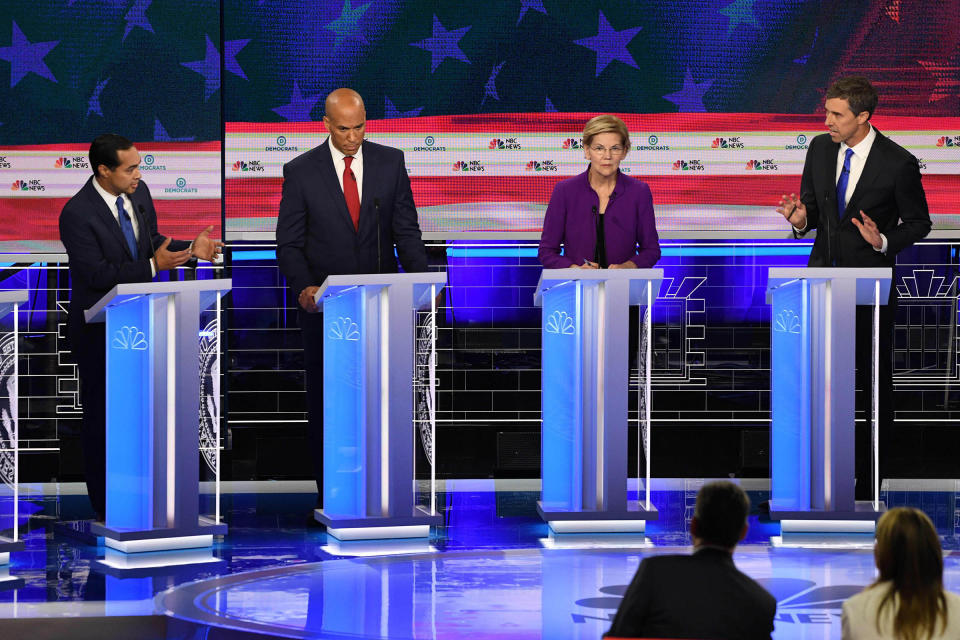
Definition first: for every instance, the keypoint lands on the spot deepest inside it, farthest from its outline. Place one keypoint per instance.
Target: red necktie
(351, 193)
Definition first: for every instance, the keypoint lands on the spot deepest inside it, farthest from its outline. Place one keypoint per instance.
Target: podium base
(6, 546)
(416, 525)
(155, 563)
(145, 540)
(827, 529)
(631, 520)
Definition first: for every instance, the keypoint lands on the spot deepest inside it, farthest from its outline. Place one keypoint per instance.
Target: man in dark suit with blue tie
(862, 194)
(109, 229)
(345, 205)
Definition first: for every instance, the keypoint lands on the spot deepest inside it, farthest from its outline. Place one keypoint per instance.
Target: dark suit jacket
(889, 191)
(694, 596)
(98, 253)
(315, 235)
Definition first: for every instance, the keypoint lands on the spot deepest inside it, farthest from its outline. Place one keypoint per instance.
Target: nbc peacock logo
(248, 165)
(727, 143)
(504, 143)
(572, 143)
(75, 162)
(27, 185)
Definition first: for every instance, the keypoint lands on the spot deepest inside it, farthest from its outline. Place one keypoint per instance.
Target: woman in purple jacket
(603, 218)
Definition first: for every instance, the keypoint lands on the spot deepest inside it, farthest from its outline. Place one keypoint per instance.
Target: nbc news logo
(472, 165)
(27, 185)
(250, 165)
(542, 165)
(75, 162)
(726, 143)
(506, 143)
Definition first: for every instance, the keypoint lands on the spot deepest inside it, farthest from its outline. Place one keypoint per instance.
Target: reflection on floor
(492, 570)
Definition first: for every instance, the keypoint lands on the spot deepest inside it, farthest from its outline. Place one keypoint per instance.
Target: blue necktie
(127, 227)
(842, 183)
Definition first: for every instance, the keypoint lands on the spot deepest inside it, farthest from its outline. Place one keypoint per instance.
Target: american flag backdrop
(487, 99)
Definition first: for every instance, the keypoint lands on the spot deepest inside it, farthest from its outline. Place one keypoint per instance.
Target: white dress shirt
(356, 166)
(111, 201)
(859, 158)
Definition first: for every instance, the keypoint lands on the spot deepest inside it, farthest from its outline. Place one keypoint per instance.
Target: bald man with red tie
(345, 205)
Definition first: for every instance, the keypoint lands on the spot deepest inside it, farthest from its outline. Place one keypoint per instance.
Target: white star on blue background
(390, 110)
(299, 108)
(490, 89)
(209, 68)
(527, 5)
(690, 97)
(137, 17)
(348, 23)
(443, 44)
(610, 44)
(93, 104)
(739, 12)
(160, 134)
(25, 57)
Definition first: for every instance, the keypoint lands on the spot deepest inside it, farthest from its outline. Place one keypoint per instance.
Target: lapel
(328, 175)
(366, 200)
(106, 216)
(144, 239)
(829, 175)
(871, 169)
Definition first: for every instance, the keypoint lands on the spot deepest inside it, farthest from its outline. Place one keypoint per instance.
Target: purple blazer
(570, 221)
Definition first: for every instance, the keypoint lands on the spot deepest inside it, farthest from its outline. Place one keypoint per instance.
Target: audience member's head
(720, 517)
(908, 555)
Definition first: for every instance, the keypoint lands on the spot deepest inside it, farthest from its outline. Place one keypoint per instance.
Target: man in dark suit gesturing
(862, 193)
(109, 229)
(702, 595)
(345, 204)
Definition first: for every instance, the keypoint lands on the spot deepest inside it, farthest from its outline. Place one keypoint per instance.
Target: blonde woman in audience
(908, 601)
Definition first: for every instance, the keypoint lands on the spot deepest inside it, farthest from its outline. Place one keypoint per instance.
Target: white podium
(153, 400)
(585, 393)
(368, 356)
(812, 386)
(10, 302)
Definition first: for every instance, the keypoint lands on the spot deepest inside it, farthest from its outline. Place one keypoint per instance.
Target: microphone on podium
(376, 209)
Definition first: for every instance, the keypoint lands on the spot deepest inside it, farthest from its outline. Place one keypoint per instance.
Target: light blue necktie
(127, 227)
(842, 183)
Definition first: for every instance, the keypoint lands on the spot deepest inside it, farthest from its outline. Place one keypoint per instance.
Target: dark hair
(857, 91)
(908, 556)
(103, 150)
(721, 512)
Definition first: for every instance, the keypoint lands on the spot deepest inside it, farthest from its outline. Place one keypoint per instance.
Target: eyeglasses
(615, 151)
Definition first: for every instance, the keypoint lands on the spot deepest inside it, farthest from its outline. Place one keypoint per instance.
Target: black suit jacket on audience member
(100, 259)
(315, 235)
(889, 191)
(702, 595)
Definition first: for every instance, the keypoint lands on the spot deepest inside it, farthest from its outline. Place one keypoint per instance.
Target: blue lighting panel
(344, 412)
(789, 393)
(129, 414)
(561, 443)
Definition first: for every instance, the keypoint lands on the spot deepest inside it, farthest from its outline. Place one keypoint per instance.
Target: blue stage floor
(492, 572)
